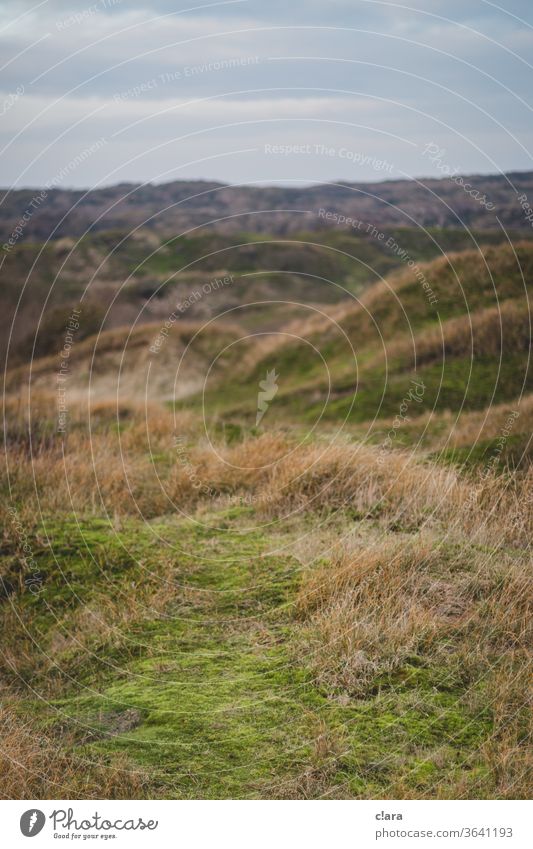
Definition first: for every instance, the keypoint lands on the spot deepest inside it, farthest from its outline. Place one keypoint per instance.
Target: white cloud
(115, 52)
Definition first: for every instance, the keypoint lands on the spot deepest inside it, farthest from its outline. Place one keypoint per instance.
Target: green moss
(210, 698)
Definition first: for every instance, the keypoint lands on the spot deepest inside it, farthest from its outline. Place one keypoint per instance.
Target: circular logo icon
(32, 822)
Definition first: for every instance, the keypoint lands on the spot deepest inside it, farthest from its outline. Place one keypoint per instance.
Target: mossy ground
(205, 692)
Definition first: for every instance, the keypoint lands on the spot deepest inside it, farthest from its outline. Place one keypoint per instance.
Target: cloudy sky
(97, 92)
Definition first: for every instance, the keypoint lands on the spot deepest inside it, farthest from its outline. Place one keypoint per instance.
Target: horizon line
(268, 183)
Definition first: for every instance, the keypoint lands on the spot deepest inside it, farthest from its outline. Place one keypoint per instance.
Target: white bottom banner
(268, 825)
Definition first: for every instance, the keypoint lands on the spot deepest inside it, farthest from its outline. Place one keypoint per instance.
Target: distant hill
(179, 206)
(130, 364)
(117, 279)
(469, 350)
(455, 364)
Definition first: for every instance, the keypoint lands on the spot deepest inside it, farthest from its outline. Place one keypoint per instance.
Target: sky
(99, 92)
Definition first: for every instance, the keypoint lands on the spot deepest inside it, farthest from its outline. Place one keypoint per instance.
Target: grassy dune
(197, 606)
(331, 625)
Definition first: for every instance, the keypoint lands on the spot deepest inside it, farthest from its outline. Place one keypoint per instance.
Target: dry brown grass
(124, 459)
(401, 491)
(143, 469)
(492, 332)
(464, 610)
(440, 429)
(120, 363)
(374, 606)
(445, 573)
(33, 766)
(357, 477)
(475, 426)
(509, 751)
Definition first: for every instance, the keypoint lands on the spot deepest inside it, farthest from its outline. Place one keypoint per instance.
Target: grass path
(206, 691)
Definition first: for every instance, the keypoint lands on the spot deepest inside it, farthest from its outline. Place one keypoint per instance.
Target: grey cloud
(243, 61)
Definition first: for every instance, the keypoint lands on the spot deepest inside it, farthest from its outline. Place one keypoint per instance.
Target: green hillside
(120, 278)
(328, 601)
(470, 349)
